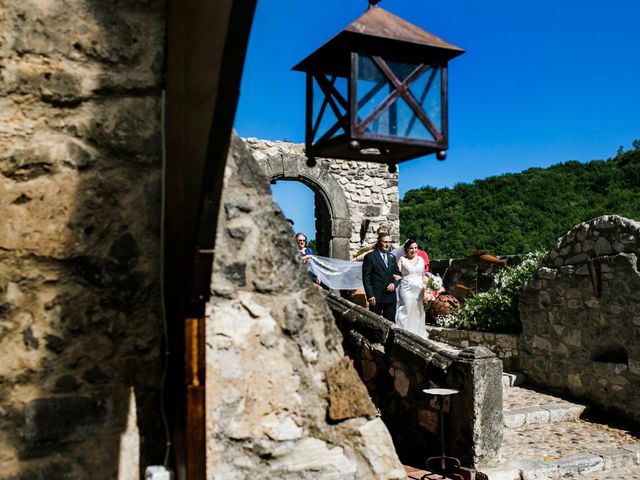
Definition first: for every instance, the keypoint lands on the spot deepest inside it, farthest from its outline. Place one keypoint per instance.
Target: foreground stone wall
(397, 365)
(354, 192)
(79, 238)
(580, 316)
(282, 400)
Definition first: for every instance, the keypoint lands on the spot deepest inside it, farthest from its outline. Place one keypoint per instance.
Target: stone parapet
(503, 345)
(397, 365)
(602, 236)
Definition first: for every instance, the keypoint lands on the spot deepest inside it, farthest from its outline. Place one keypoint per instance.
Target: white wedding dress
(410, 312)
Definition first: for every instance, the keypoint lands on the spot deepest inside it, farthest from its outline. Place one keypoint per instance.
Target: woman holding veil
(410, 314)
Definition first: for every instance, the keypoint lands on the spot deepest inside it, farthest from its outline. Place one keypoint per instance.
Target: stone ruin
(581, 316)
(580, 319)
(282, 399)
(80, 306)
(80, 178)
(352, 199)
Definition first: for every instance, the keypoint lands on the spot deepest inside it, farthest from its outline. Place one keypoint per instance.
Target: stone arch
(333, 219)
(352, 198)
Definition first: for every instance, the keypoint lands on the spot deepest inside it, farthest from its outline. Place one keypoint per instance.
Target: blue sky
(540, 83)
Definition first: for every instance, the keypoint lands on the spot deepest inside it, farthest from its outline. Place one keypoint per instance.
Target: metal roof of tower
(378, 23)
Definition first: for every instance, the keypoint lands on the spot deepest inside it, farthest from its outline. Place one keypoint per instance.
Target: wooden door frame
(206, 47)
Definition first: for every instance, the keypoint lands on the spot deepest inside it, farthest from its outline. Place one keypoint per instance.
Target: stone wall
(282, 400)
(469, 272)
(355, 194)
(580, 316)
(80, 167)
(503, 345)
(397, 365)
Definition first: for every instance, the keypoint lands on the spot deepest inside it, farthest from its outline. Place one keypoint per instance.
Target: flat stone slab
(560, 412)
(520, 397)
(631, 472)
(579, 463)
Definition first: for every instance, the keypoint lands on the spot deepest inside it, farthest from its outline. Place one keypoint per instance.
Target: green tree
(522, 212)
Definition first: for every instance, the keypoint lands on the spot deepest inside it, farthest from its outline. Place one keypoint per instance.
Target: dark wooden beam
(206, 45)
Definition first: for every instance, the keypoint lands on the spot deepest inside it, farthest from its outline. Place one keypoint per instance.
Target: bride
(410, 312)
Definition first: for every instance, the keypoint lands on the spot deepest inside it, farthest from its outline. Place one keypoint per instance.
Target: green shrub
(496, 310)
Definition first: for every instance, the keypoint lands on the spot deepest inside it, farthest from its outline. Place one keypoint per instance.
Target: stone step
(564, 450)
(615, 464)
(631, 472)
(549, 413)
(524, 406)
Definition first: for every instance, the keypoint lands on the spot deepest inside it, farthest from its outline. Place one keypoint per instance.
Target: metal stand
(443, 464)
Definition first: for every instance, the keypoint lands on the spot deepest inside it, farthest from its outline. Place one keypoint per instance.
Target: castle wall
(356, 193)
(80, 168)
(580, 316)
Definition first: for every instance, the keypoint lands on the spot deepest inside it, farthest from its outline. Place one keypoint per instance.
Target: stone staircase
(545, 438)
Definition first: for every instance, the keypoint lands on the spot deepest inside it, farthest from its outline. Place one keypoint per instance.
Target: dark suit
(376, 277)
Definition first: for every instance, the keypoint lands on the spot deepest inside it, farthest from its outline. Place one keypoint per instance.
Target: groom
(378, 270)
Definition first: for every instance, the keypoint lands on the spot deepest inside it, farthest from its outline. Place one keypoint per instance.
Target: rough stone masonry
(80, 170)
(580, 316)
(80, 327)
(348, 195)
(282, 400)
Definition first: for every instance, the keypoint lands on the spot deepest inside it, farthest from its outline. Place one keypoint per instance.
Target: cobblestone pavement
(566, 449)
(552, 441)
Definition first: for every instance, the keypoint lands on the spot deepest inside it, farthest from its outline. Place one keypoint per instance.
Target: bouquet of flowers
(433, 287)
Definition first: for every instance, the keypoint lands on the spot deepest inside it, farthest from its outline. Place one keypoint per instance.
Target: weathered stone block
(602, 247)
(63, 419)
(539, 471)
(43, 470)
(348, 398)
(576, 259)
(384, 463)
(129, 127)
(514, 418)
(615, 457)
(536, 415)
(563, 413)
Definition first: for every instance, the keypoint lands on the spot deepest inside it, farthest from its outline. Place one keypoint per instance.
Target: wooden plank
(195, 434)
(195, 399)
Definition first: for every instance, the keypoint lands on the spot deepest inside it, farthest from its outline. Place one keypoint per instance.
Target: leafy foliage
(522, 212)
(496, 310)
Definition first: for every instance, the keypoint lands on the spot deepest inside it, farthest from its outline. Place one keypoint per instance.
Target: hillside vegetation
(522, 212)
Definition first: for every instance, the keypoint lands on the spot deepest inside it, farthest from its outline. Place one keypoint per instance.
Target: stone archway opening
(305, 203)
(351, 198)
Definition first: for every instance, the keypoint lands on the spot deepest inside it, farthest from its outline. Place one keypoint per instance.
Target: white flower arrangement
(448, 321)
(434, 282)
